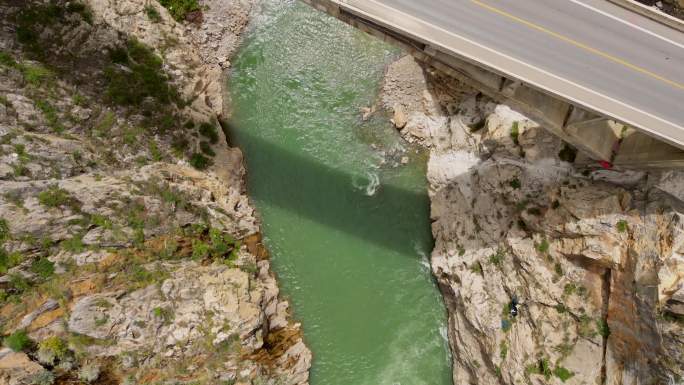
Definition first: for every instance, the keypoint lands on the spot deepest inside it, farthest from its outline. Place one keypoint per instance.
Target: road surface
(590, 52)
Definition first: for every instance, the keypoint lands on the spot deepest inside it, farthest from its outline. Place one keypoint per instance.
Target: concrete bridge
(605, 75)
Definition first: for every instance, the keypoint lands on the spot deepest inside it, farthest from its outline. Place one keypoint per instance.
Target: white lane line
(669, 131)
(663, 38)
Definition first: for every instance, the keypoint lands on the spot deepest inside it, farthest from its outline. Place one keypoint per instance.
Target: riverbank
(589, 258)
(129, 252)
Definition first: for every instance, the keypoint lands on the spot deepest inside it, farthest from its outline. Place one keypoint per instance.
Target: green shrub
(152, 14)
(568, 153)
(89, 372)
(476, 267)
(50, 114)
(51, 349)
(4, 231)
(19, 283)
(543, 247)
(515, 183)
(44, 377)
(569, 289)
(73, 245)
(180, 143)
(562, 373)
(7, 60)
(18, 341)
(622, 226)
(200, 161)
(166, 315)
(155, 152)
(36, 74)
(146, 77)
(43, 267)
(558, 269)
(209, 131)
(515, 133)
(101, 221)
(497, 258)
(206, 149)
(541, 367)
(8, 260)
(602, 328)
(179, 9)
(54, 197)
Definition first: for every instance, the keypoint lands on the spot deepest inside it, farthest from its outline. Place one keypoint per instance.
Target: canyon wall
(129, 252)
(553, 269)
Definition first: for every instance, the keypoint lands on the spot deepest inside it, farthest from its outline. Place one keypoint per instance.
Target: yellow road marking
(578, 44)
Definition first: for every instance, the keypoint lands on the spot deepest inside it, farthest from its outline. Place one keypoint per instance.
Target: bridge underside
(598, 137)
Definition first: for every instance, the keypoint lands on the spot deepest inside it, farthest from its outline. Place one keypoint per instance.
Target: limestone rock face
(590, 259)
(120, 257)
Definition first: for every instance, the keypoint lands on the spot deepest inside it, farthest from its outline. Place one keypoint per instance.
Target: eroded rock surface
(552, 273)
(129, 253)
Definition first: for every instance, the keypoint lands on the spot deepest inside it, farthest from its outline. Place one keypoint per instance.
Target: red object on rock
(606, 164)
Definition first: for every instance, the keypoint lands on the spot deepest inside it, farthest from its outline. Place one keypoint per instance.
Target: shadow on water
(305, 187)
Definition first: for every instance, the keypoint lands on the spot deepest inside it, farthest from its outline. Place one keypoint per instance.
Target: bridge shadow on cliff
(392, 218)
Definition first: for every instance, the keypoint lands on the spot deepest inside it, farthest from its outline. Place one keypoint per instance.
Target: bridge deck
(590, 52)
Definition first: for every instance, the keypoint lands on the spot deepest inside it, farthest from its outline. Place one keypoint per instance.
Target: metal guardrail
(651, 13)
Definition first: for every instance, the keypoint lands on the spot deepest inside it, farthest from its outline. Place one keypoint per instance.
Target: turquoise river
(347, 225)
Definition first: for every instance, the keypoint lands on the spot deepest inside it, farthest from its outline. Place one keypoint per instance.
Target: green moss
(515, 183)
(179, 9)
(503, 351)
(18, 341)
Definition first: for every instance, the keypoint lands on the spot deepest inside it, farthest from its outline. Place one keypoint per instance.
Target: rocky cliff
(129, 253)
(552, 271)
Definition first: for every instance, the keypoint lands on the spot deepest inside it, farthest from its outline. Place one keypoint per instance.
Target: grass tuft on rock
(18, 341)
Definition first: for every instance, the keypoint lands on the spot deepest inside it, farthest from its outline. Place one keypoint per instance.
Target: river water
(348, 227)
